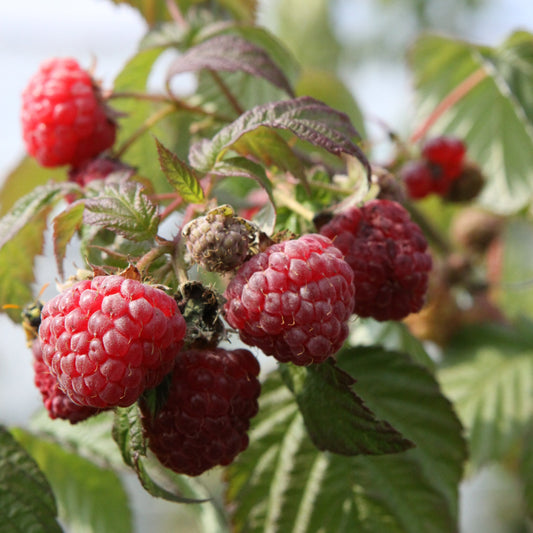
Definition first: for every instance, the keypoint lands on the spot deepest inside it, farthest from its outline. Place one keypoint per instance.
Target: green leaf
(525, 466)
(151, 10)
(513, 288)
(90, 439)
(25, 177)
(230, 53)
(90, 499)
(133, 78)
(16, 265)
(308, 119)
(125, 209)
(128, 434)
(487, 374)
(65, 225)
(501, 141)
(392, 335)
(39, 200)
(409, 397)
(262, 38)
(180, 175)
(283, 483)
(268, 147)
(306, 28)
(321, 390)
(26, 499)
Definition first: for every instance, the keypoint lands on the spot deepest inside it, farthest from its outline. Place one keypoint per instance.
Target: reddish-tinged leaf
(231, 53)
(307, 118)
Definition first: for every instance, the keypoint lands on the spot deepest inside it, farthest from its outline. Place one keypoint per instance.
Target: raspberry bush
(264, 320)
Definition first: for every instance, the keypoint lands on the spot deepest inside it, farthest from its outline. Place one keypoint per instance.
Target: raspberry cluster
(206, 416)
(64, 119)
(441, 164)
(293, 300)
(108, 339)
(388, 254)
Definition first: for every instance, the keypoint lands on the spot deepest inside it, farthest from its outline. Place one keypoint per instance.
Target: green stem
(286, 200)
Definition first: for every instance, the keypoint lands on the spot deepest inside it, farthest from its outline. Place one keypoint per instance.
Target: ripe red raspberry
(293, 300)
(206, 416)
(56, 402)
(64, 120)
(418, 179)
(387, 252)
(447, 152)
(108, 339)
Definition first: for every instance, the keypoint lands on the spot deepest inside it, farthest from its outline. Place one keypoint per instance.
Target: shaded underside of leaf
(26, 499)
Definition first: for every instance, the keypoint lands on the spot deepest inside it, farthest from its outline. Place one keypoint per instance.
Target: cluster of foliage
(377, 440)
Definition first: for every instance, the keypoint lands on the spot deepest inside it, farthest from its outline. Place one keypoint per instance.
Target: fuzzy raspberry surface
(388, 254)
(206, 416)
(55, 401)
(108, 339)
(293, 300)
(218, 241)
(64, 120)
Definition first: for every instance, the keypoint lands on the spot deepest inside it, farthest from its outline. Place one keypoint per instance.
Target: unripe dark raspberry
(96, 170)
(205, 418)
(467, 185)
(64, 119)
(55, 401)
(388, 255)
(475, 229)
(293, 300)
(219, 241)
(108, 339)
